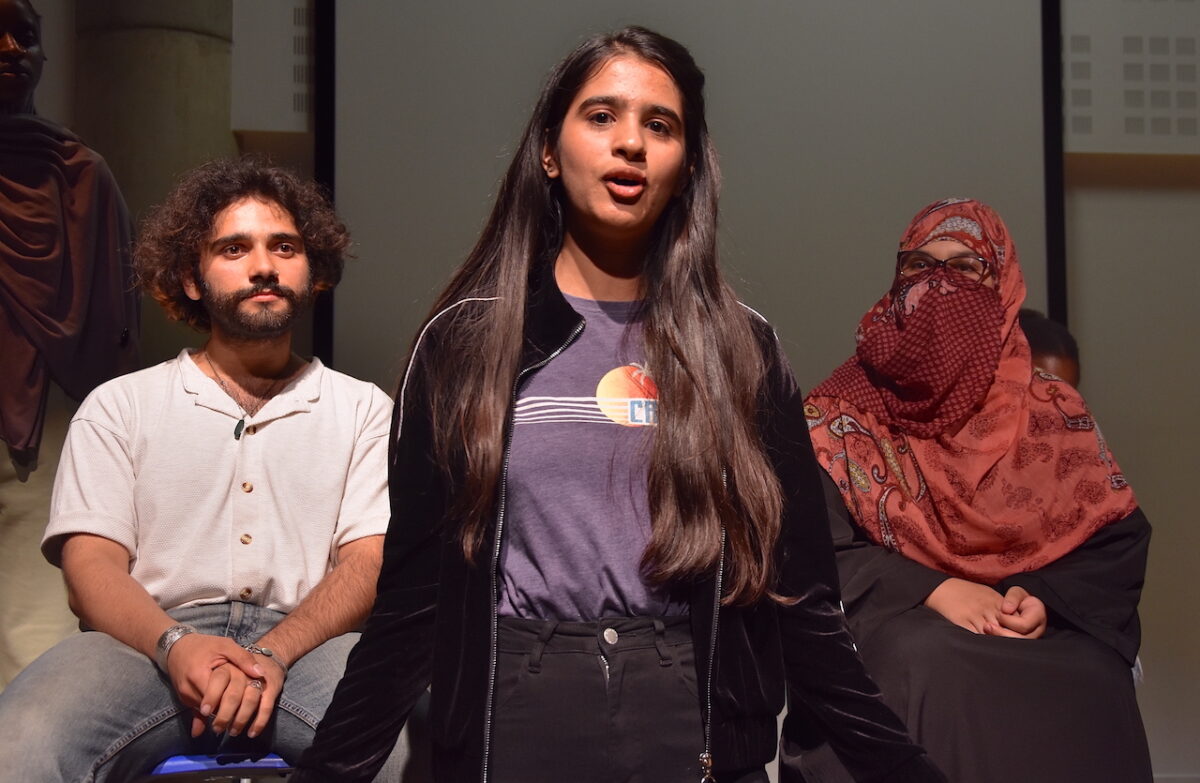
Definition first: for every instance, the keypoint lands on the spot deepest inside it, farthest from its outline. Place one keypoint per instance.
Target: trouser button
(610, 635)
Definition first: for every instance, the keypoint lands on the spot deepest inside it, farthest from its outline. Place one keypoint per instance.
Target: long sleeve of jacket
(390, 667)
(830, 694)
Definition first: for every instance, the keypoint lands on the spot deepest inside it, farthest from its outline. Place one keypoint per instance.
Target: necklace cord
(240, 400)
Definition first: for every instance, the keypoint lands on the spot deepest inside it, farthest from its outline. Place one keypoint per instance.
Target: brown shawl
(68, 310)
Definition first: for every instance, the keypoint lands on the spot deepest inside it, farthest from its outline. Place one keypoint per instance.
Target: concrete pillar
(153, 89)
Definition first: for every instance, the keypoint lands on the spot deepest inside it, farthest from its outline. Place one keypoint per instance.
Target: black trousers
(609, 701)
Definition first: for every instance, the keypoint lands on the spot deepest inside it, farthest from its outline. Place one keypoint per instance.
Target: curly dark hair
(167, 251)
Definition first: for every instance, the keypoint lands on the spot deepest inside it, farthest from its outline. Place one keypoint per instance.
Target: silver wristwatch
(165, 642)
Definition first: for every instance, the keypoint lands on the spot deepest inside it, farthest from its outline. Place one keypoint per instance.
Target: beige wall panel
(1134, 279)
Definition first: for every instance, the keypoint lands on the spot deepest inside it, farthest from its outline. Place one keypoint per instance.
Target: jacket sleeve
(830, 695)
(877, 583)
(1096, 588)
(390, 666)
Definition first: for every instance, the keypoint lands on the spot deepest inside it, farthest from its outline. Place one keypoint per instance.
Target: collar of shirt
(298, 396)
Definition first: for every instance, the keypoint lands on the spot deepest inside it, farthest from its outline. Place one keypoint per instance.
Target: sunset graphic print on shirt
(625, 395)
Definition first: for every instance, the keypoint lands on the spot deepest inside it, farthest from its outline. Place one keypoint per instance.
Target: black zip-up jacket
(434, 615)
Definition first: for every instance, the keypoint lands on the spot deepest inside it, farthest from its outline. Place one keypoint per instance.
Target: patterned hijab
(945, 443)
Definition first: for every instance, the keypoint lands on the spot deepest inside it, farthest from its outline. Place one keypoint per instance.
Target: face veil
(944, 442)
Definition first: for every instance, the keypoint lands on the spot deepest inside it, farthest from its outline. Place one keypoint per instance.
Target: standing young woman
(602, 586)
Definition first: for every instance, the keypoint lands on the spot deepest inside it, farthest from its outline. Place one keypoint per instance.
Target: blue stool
(222, 768)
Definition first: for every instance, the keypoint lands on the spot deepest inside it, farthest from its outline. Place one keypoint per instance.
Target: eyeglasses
(910, 263)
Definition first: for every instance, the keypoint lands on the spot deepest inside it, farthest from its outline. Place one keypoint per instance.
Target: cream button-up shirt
(151, 462)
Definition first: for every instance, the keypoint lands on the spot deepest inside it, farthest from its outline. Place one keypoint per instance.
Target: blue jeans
(93, 709)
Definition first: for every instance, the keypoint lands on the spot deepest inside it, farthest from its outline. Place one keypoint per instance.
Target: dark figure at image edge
(68, 308)
(68, 322)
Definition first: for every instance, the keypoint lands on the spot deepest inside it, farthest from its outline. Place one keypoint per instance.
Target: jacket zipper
(491, 692)
(706, 759)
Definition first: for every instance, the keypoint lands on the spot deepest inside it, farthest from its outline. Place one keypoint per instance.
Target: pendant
(237, 430)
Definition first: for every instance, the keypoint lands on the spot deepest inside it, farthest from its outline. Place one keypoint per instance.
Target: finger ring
(256, 684)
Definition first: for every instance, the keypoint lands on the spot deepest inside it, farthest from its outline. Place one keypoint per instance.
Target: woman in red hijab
(990, 550)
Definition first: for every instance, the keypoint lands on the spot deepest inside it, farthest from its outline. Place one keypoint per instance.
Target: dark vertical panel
(324, 106)
(1052, 128)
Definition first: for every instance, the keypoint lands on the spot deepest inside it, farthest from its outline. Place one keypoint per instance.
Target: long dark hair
(708, 469)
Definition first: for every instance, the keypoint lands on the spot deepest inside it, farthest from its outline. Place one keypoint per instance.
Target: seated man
(218, 518)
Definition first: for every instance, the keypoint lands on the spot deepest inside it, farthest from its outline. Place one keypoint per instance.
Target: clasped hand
(216, 678)
(984, 610)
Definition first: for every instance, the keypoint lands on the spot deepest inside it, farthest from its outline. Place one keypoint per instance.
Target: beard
(260, 323)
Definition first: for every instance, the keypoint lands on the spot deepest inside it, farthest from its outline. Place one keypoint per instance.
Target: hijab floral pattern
(944, 442)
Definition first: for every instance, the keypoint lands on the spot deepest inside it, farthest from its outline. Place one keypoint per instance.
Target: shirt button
(251, 429)
(246, 538)
(247, 486)
(610, 635)
(246, 593)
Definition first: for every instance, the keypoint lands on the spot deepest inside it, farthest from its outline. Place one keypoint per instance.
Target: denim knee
(77, 705)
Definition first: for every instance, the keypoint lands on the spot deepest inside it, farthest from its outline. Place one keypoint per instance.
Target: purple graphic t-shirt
(576, 519)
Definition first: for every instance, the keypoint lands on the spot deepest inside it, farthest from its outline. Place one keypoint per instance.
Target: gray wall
(1133, 280)
(835, 121)
(56, 91)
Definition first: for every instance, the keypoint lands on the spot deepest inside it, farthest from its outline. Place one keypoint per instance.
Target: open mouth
(625, 185)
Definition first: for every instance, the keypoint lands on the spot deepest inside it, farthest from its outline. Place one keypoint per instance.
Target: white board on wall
(835, 123)
(272, 69)
(1131, 76)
